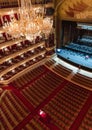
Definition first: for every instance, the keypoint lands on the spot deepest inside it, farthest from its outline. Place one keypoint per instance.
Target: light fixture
(13, 71)
(10, 61)
(58, 50)
(31, 22)
(19, 44)
(34, 59)
(32, 51)
(42, 47)
(22, 56)
(24, 64)
(43, 55)
(1, 78)
(5, 49)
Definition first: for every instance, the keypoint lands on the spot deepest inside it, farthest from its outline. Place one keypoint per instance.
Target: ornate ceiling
(75, 9)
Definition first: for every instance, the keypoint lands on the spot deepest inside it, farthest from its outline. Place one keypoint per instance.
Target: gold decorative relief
(78, 9)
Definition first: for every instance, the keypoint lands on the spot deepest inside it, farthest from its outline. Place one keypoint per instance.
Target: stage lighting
(58, 50)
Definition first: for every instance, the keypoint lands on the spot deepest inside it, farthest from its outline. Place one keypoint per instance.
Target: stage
(75, 58)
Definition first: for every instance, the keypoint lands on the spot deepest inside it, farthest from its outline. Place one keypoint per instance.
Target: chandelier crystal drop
(31, 22)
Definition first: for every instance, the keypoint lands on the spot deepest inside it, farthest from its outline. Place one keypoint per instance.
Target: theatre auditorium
(45, 64)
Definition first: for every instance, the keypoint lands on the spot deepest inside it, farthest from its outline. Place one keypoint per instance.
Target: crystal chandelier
(31, 22)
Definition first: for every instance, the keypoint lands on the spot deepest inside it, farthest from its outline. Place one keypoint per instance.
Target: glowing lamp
(42, 114)
(58, 50)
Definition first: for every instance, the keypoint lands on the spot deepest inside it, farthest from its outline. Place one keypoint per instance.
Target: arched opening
(74, 32)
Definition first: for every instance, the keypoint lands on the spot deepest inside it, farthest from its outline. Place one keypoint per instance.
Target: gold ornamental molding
(74, 9)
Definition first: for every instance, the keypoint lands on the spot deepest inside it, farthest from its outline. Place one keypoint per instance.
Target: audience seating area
(37, 89)
(82, 80)
(49, 63)
(8, 4)
(46, 87)
(12, 111)
(28, 77)
(35, 124)
(20, 68)
(15, 48)
(42, 2)
(40, 89)
(20, 56)
(87, 121)
(63, 71)
(64, 108)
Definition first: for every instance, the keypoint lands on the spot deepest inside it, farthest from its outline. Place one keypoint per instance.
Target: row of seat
(41, 89)
(65, 106)
(13, 52)
(35, 124)
(50, 62)
(21, 67)
(12, 111)
(1, 90)
(28, 77)
(4, 38)
(18, 47)
(7, 4)
(87, 121)
(83, 80)
(76, 90)
(20, 57)
(63, 71)
(42, 1)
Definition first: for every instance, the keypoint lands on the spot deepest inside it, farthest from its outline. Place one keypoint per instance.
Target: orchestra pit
(46, 64)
